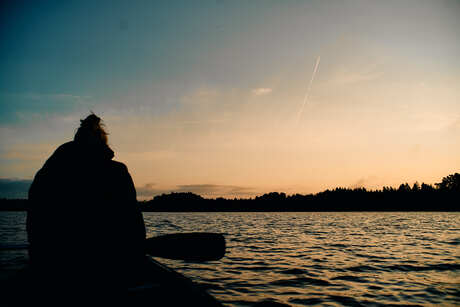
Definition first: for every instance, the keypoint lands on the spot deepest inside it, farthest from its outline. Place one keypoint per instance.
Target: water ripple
(305, 259)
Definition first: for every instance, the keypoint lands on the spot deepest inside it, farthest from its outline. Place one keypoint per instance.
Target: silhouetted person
(84, 227)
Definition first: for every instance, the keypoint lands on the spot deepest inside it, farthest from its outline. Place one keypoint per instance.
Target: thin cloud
(353, 76)
(148, 190)
(215, 190)
(26, 107)
(206, 190)
(455, 126)
(40, 96)
(261, 91)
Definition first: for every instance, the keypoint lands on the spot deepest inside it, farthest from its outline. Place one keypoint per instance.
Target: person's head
(91, 131)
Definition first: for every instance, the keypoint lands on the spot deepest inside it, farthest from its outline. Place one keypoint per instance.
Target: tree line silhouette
(443, 196)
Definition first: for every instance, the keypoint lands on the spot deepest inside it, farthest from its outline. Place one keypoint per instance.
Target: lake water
(311, 259)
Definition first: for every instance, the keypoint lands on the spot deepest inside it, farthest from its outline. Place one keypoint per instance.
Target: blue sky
(212, 87)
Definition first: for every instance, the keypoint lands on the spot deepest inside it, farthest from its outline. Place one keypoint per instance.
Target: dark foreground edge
(170, 288)
(160, 286)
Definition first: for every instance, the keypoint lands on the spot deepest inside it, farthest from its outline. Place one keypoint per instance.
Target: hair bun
(90, 121)
(91, 130)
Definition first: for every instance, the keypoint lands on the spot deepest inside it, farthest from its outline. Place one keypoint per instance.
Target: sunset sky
(237, 98)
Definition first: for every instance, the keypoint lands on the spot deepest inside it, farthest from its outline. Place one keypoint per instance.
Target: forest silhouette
(443, 196)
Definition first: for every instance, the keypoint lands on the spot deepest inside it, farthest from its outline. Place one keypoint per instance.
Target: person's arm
(136, 227)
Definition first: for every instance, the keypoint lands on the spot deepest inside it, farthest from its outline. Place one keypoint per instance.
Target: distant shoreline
(328, 201)
(442, 197)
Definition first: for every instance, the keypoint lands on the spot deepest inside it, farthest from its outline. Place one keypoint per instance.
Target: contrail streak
(308, 89)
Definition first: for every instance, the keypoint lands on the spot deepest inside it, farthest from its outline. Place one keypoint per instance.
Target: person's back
(83, 220)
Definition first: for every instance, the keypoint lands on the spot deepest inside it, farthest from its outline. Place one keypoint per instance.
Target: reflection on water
(324, 259)
(328, 258)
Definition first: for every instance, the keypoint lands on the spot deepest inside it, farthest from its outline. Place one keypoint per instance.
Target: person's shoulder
(120, 166)
(61, 152)
(69, 146)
